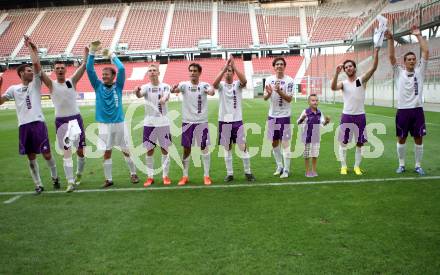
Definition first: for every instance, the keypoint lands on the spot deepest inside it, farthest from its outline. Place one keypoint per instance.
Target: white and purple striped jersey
(155, 113)
(195, 102)
(410, 85)
(27, 100)
(278, 106)
(230, 96)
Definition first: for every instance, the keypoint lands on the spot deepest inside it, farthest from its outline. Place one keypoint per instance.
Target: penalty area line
(224, 186)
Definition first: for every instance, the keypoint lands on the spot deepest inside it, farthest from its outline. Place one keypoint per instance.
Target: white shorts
(311, 150)
(111, 135)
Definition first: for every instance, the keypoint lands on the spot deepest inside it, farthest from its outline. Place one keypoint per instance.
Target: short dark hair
(278, 59)
(313, 95)
(197, 65)
(408, 53)
(22, 67)
(111, 69)
(59, 62)
(349, 61)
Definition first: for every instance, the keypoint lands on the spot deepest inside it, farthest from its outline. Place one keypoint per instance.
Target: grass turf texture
(390, 227)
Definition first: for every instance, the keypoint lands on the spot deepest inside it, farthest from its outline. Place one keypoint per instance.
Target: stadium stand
(234, 26)
(262, 32)
(178, 70)
(55, 30)
(333, 23)
(100, 26)
(20, 21)
(191, 22)
(281, 23)
(324, 65)
(144, 27)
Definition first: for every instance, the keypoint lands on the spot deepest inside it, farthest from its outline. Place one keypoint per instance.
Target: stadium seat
(143, 29)
(55, 30)
(20, 21)
(92, 29)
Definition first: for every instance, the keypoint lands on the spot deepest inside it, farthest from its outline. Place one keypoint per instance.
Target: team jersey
(410, 85)
(311, 125)
(195, 102)
(353, 94)
(230, 96)
(155, 113)
(64, 98)
(278, 106)
(108, 98)
(27, 100)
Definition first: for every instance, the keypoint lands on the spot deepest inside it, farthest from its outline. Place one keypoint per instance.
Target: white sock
(150, 165)
(130, 165)
(286, 159)
(228, 162)
(343, 155)
(358, 156)
(418, 154)
(35, 172)
(278, 156)
(401, 153)
(206, 163)
(68, 169)
(246, 163)
(165, 165)
(53, 167)
(185, 163)
(108, 169)
(80, 162)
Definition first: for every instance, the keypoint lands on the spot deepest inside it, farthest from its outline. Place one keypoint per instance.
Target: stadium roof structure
(20, 4)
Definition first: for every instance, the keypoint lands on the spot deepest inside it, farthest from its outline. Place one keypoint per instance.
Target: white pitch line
(11, 200)
(224, 186)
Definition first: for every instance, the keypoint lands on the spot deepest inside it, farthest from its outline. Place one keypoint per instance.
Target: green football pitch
(380, 223)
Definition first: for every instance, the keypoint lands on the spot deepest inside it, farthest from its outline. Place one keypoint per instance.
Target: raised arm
(33, 51)
(46, 80)
(120, 78)
(373, 68)
(90, 68)
(391, 51)
(335, 84)
(423, 44)
(220, 76)
(240, 75)
(81, 69)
